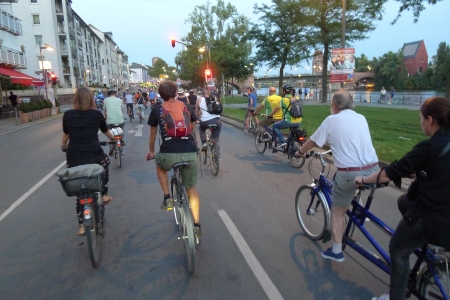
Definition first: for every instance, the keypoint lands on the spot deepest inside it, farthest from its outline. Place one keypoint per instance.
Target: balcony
(64, 51)
(12, 58)
(71, 32)
(10, 23)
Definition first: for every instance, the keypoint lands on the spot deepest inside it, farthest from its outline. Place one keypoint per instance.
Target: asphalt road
(253, 247)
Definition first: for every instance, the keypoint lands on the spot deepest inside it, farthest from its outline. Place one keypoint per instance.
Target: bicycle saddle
(212, 126)
(180, 164)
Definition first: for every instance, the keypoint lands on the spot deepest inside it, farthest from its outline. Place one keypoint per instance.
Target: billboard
(342, 64)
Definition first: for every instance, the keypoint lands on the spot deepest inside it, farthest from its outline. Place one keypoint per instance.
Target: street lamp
(48, 47)
(208, 59)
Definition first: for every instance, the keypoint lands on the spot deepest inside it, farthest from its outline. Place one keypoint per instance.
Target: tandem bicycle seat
(180, 165)
(212, 126)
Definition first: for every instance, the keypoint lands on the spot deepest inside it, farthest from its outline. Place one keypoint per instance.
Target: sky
(143, 28)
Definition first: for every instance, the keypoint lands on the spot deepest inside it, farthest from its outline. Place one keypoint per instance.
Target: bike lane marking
(30, 191)
(137, 132)
(264, 280)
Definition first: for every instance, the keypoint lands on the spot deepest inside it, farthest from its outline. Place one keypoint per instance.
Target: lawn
(394, 131)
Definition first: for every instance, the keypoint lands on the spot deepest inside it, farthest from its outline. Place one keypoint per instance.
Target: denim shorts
(343, 187)
(188, 174)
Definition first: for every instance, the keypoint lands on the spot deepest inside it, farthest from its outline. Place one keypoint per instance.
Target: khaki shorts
(343, 187)
(188, 174)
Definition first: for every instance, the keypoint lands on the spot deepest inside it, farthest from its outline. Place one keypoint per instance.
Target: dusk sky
(142, 28)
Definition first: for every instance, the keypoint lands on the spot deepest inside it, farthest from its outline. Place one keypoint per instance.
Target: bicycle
(140, 113)
(117, 131)
(312, 206)
(86, 182)
(130, 111)
(293, 143)
(211, 151)
(183, 215)
(252, 127)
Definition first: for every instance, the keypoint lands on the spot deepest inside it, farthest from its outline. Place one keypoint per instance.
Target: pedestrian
(251, 107)
(13, 99)
(306, 92)
(383, 95)
(311, 94)
(391, 95)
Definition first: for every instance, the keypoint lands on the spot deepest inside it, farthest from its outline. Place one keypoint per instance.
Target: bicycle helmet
(111, 92)
(287, 88)
(117, 131)
(180, 91)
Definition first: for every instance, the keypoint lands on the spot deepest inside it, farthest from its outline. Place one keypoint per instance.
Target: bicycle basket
(81, 179)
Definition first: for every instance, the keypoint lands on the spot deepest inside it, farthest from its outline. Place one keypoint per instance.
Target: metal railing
(10, 23)
(11, 57)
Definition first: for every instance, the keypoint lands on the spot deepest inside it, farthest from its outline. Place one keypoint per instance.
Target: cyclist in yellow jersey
(269, 104)
(287, 120)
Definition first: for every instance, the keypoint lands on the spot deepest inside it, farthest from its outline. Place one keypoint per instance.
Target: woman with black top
(80, 140)
(426, 207)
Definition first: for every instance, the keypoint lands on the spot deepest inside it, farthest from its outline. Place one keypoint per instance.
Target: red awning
(37, 82)
(18, 77)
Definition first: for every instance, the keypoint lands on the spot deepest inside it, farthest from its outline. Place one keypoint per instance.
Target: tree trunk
(325, 83)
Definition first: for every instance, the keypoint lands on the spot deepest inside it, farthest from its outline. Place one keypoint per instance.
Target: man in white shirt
(347, 133)
(129, 101)
(114, 114)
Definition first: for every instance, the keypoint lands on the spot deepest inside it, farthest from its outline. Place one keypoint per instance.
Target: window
(36, 20)
(34, 1)
(38, 39)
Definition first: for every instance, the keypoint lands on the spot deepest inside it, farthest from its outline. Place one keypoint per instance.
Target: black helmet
(287, 88)
(111, 92)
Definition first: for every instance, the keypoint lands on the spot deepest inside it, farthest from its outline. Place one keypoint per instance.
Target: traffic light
(207, 72)
(173, 42)
(53, 77)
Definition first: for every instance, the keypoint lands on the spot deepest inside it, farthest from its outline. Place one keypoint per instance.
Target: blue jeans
(281, 125)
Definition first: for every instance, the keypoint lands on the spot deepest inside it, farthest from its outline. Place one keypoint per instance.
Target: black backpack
(295, 105)
(213, 105)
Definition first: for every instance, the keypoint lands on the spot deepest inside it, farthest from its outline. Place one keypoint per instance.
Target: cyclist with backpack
(208, 112)
(269, 105)
(291, 114)
(175, 120)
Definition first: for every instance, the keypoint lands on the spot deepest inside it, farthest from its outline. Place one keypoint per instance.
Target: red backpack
(176, 119)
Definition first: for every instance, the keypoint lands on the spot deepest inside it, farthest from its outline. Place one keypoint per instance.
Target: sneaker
(81, 230)
(123, 143)
(197, 234)
(283, 144)
(329, 254)
(382, 297)
(111, 152)
(204, 147)
(167, 204)
(245, 131)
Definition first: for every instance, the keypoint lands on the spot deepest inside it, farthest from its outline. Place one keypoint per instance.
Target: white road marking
(267, 285)
(138, 131)
(31, 191)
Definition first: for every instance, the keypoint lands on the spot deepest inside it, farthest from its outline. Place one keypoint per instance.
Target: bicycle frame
(357, 215)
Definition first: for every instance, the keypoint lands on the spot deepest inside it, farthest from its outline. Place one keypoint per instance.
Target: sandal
(106, 201)
(81, 230)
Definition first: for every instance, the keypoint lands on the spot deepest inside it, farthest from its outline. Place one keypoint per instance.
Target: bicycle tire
(205, 156)
(297, 162)
(253, 127)
(187, 231)
(91, 227)
(119, 157)
(214, 161)
(427, 286)
(176, 201)
(314, 220)
(259, 145)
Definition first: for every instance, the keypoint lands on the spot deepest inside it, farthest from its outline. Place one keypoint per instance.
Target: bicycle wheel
(176, 201)
(428, 287)
(310, 211)
(91, 227)
(205, 155)
(260, 146)
(297, 162)
(214, 161)
(119, 156)
(253, 126)
(187, 231)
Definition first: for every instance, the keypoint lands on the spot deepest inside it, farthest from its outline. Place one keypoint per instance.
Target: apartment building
(11, 53)
(80, 54)
(139, 74)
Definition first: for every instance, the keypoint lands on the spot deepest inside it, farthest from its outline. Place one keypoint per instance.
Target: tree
(161, 67)
(361, 63)
(415, 5)
(441, 67)
(389, 70)
(281, 36)
(325, 19)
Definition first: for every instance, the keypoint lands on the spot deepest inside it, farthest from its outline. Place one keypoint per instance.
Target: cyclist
(129, 101)
(114, 115)
(146, 99)
(206, 119)
(192, 98)
(181, 96)
(251, 106)
(269, 103)
(173, 150)
(152, 97)
(287, 120)
(426, 206)
(80, 140)
(348, 135)
(140, 103)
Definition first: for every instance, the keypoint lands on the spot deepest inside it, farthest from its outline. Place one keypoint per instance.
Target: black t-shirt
(13, 99)
(82, 127)
(182, 99)
(173, 145)
(140, 100)
(192, 99)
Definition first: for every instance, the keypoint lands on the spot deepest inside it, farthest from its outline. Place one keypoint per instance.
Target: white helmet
(117, 131)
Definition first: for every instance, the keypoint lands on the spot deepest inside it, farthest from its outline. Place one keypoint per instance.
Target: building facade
(11, 52)
(415, 57)
(140, 73)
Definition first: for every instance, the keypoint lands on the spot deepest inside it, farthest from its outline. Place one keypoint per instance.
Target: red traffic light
(53, 77)
(207, 72)
(173, 42)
